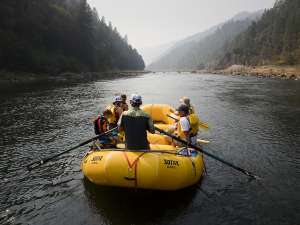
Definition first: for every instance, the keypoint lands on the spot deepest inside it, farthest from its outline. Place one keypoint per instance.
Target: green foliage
(275, 39)
(60, 35)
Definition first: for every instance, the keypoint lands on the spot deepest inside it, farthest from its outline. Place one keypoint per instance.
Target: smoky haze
(156, 22)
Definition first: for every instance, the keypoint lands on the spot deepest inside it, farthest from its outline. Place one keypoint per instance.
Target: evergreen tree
(60, 35)
(272, 40)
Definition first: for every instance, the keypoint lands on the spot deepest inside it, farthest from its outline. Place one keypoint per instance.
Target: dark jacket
(136, 123)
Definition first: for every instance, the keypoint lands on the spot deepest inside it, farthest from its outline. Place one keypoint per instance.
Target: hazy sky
(153, 22)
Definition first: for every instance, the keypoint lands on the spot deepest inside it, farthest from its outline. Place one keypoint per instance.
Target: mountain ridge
(182, 55)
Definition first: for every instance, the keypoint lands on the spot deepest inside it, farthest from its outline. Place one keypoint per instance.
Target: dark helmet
(183, 108)
(136, 99)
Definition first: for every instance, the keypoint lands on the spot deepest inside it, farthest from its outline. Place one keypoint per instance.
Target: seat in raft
(159, 114)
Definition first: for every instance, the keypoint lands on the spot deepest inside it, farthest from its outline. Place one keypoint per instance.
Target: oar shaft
(172, 117)
(35, 164)
(201, 124)
(208, 154)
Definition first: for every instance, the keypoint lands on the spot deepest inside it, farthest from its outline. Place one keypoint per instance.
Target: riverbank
(285, 72)
(10, 78)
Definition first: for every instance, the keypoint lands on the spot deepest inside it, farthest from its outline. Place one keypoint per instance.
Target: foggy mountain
(198, 50)
(151, 54)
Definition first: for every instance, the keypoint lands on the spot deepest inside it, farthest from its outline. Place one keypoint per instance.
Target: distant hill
(201, 49)
(274, 39)
(52, 36)
(151, 54)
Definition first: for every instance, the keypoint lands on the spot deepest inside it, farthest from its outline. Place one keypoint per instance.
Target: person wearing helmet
(183, 126)
(124, 103)
(114, 112)
(187, 101)
(135, 123)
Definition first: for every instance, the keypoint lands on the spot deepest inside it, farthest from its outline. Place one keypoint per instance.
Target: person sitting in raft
(114, 112)
(100, 127)
(184, 130)
(124, 103)
(135, 123)
(187, 101)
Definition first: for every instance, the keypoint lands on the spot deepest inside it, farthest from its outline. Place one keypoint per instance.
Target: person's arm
(151, 127)
(120, 123)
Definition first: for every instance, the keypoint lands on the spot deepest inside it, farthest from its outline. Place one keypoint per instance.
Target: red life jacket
(100, 125)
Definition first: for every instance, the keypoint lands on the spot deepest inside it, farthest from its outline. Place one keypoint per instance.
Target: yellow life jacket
(194, 126)
(121, 136)
(192, 110)
(112, 119)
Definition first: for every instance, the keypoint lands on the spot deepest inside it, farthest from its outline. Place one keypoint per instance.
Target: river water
(255, 123)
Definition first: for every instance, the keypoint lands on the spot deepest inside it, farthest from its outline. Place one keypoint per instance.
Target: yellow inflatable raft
(162, 168)
(160, 114)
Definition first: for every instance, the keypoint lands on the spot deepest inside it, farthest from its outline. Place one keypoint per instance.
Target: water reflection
(129, 206)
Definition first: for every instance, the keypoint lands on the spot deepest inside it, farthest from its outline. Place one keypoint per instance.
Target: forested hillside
(60, 35)
(197, 53)
(275, 39)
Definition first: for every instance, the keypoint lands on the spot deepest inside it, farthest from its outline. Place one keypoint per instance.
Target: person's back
(135, 124)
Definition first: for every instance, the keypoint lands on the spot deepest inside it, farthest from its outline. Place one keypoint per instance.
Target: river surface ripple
(255, 123)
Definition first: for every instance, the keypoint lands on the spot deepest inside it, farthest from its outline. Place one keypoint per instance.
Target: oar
(201, 124)
(38, 163)
(209, 154)
(201, 141)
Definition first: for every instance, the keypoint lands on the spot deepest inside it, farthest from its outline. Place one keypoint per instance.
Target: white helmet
(135, 98)
(117, 99)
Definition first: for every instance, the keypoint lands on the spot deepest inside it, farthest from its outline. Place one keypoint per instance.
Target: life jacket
(135, 124)
(191, 110)
(100, 125)
(194, 126)
(114, 117)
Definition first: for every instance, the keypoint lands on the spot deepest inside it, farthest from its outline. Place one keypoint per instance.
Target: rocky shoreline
(284, 72)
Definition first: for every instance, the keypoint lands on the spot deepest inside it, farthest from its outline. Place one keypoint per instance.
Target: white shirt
(185, 124)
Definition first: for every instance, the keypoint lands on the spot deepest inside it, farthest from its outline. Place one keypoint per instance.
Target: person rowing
(135, 123)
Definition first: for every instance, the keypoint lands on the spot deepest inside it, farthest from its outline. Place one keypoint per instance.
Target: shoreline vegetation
(23, 78)
(51, 37)
(271, 71)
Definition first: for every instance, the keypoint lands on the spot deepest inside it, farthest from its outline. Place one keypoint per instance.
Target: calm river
(255, 123)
